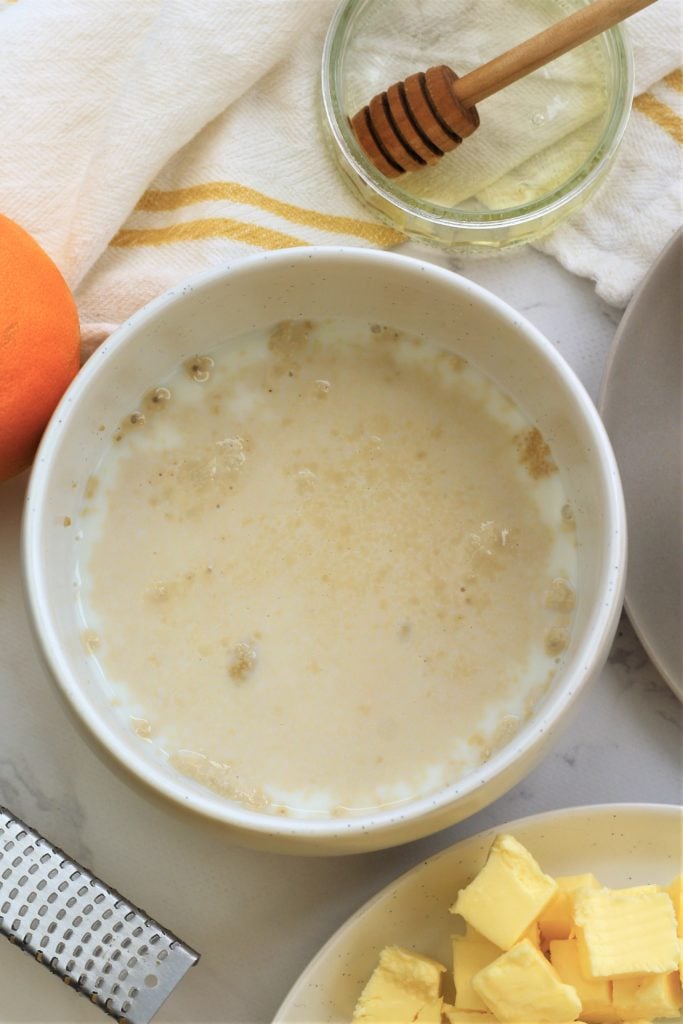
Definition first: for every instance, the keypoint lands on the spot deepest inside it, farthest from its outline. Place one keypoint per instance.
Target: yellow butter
(625, 932)
(430, 1013)
(522, 986)
(533, 934)
(656, 995)
(470, 955)
(675, 891)
(557, 920)
(454, 1016)
(507, 895)
(595, 994)
(404, 986)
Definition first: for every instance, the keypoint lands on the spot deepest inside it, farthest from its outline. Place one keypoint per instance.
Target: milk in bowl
(326, 568)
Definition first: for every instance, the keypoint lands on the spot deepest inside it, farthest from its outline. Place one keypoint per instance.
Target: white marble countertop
(258, 918)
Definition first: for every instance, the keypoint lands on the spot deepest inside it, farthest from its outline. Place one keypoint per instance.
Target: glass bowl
(545, 143)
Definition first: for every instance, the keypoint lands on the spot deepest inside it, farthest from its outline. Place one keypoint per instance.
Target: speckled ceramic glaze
(321, 283)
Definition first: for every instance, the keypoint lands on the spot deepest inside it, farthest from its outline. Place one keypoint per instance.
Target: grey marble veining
(258, 918)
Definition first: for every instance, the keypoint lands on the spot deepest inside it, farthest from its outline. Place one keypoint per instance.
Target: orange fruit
(39, 344)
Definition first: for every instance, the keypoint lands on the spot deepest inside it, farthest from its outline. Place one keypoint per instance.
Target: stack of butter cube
(541, 950)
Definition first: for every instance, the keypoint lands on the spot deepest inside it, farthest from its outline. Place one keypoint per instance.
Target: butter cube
(507, 895)
(557, 920)
(430, 1013)
(403, 987)
(522, 986)
(625, 932)
(532, 934)
(675, 891)
(654, 995)
(454, 1016)
(595, 994)
(470, 954)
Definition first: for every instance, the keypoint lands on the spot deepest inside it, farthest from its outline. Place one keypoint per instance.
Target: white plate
(640, 404)
(622, 844)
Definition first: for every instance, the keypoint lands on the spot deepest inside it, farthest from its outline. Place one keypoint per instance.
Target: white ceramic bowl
(317, 283)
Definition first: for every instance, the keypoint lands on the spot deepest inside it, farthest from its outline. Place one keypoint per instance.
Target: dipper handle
(544, 47)
(415, 122)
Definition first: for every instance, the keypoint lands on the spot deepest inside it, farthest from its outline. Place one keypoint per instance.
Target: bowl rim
(386, 821)
(415, 215)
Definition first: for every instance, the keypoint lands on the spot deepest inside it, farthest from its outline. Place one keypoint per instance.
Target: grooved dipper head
(414, 123)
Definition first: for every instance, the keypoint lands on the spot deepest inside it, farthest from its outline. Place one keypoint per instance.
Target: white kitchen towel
(146, 140)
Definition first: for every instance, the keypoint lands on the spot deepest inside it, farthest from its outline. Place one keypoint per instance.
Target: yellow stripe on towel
(211, 227)
(154, 200)
(661, 115)
(675, 80)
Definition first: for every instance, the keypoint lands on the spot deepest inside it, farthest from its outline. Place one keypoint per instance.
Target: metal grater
(83, 931)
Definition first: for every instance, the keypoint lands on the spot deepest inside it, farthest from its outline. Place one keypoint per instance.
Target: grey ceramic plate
(640, 403)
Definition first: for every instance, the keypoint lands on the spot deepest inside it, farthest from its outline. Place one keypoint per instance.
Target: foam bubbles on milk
(332, 568)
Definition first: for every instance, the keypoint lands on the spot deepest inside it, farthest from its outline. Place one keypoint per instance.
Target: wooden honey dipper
(415, 122)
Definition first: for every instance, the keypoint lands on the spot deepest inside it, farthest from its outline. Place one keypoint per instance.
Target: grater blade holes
(52, 908)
